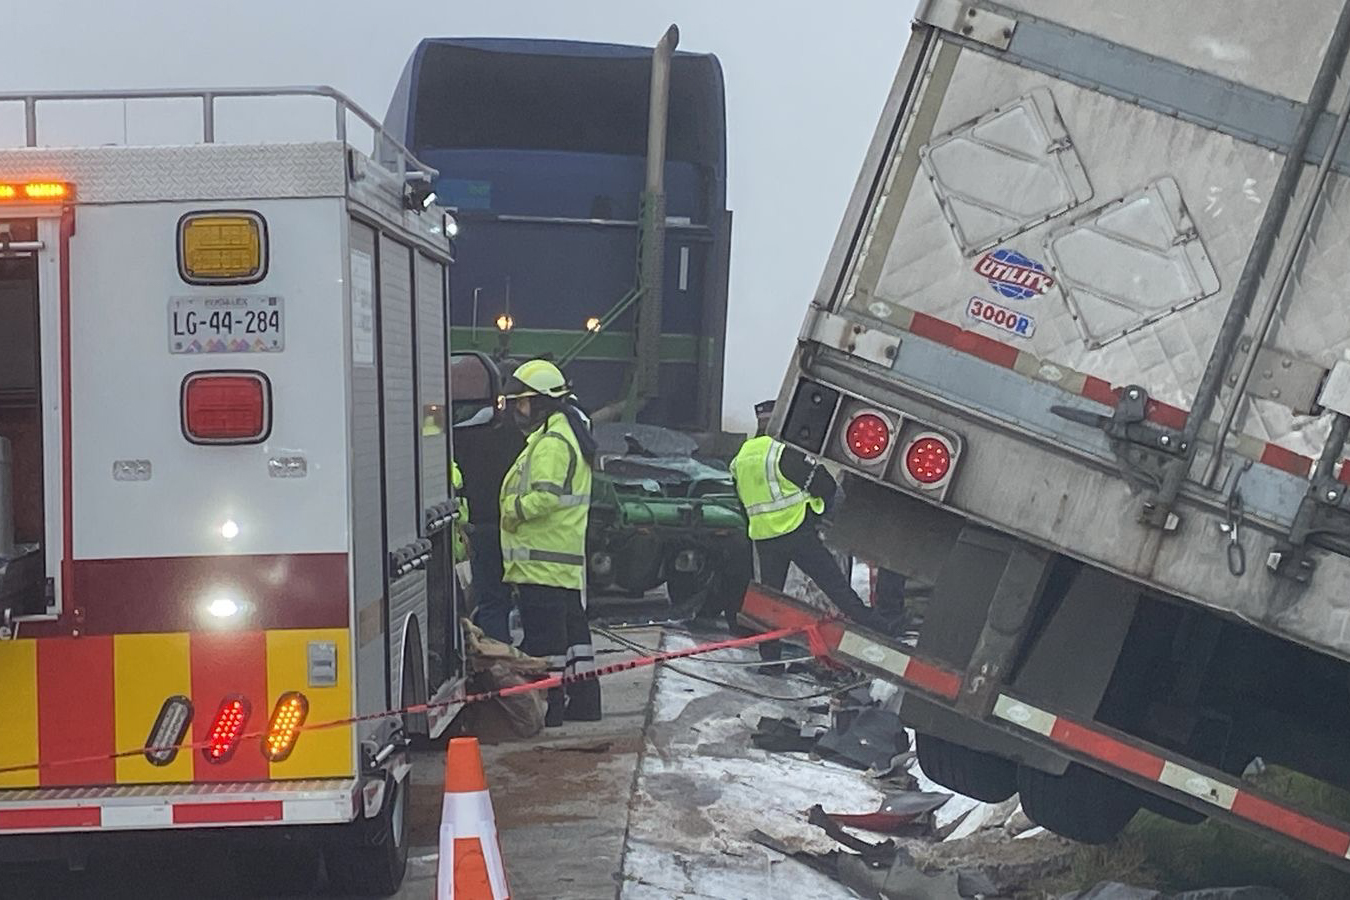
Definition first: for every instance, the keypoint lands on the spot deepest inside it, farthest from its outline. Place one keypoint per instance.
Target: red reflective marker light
(227, 729)
(284, 728)
(227, 408)
(867, 436)
(928, 460)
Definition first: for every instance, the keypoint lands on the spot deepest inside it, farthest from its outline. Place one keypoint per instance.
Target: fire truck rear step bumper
(143, 807)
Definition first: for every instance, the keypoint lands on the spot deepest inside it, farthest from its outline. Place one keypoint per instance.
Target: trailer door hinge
(968, 21)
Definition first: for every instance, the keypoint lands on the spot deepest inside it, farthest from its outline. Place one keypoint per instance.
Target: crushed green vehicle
(659, 515)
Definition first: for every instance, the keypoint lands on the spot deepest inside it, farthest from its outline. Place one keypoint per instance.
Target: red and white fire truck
(224, 498)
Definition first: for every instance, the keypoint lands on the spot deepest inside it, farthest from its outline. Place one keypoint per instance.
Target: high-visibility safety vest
(545, 507)
(457, 541)
(774, 504)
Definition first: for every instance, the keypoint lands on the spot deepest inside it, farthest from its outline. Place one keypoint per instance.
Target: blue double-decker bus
(541, 147)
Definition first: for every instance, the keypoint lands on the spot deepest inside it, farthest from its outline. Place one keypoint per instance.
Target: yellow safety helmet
(537, 377)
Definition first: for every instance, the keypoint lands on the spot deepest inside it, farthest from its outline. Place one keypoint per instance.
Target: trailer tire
(982, 776)
(374, 863)
(1082, 804)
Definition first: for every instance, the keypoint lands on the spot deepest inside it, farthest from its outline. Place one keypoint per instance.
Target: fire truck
(225, 510)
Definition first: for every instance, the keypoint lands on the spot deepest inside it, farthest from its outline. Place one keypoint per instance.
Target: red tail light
(867, 436)
(227, 408)
(227, 729)
(928, 460)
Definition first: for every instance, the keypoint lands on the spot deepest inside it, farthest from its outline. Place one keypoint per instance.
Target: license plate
(227, 325)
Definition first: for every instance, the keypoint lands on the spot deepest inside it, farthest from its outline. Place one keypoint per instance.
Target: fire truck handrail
(405, 160)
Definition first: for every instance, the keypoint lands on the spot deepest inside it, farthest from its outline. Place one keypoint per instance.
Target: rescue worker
(545, 507)
(784, 494)
(459, 538)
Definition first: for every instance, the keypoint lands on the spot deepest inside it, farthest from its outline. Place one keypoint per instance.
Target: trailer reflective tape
(19, 726)
(1093, 388)
(75, 708)
(902, 665)
(224, 664)
(316, 754)
(1108, 749)
(147, 670)
(1020, 714)
(1154, 767)
(1198, 785)
(1292, 823)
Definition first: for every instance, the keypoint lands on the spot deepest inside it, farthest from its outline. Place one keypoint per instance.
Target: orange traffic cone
(471, 856)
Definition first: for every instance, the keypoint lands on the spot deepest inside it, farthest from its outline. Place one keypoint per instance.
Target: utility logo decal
(1013, 275)
(1002, 318)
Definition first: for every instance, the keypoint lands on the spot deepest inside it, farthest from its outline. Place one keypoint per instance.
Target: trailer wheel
(1082, 804)
(373, 864)
(982, 776)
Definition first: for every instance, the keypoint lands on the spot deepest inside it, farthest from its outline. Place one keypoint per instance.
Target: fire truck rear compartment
(22, 513)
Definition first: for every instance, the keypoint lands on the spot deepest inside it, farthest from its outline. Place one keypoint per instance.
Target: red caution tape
(813, 638)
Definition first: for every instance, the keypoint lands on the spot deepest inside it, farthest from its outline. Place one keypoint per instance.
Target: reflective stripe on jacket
(545, 507)
(774, 505)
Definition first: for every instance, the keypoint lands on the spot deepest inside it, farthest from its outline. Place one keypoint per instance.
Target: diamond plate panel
(197, 172)
(1131, 262)
(1124, 148)
(1010, 169)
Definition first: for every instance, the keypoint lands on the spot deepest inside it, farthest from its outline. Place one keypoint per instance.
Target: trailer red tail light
(226, 407)
(867, 436)
(284, 727)
(227, 729)
(928, 460)
(170, 727)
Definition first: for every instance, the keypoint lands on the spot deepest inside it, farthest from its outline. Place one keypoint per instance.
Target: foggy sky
(805, 83)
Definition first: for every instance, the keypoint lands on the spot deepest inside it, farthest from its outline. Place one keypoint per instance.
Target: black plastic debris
(1114, 890)
(1111, 890)
(782, 736)
(872, 740)
(1235, 893)
(898, 880)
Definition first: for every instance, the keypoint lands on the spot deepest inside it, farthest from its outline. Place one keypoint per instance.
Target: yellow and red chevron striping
(78, 697)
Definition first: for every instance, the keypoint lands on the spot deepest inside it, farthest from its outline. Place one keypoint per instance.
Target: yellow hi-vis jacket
(457, 541)
(774, 505)
(545, 506)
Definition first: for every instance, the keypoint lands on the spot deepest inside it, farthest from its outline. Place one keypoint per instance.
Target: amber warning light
(35, 191)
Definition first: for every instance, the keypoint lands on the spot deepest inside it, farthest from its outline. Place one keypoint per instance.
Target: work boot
(583, 702)
(553, 718)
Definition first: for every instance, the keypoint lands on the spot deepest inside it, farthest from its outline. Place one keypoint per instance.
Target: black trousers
(556, 631)
(805, 548)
